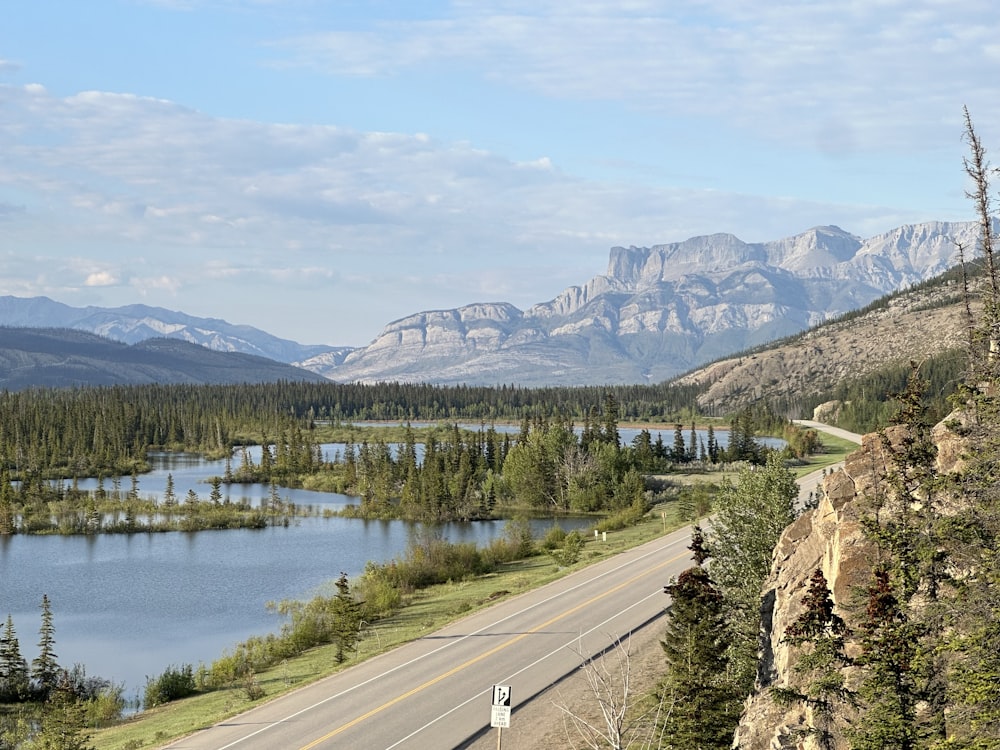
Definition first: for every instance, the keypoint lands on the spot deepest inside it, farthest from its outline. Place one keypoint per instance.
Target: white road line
(451, 643)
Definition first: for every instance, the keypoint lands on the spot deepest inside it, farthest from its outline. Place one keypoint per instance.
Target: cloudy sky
(318, 168)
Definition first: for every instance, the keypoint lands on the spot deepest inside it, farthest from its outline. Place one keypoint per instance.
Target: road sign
(501, 695)
(500, 717)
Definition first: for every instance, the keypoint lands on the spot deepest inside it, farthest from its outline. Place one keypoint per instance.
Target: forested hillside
(64, 358)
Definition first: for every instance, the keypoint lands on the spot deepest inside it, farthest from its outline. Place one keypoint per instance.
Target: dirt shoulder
(541, 725)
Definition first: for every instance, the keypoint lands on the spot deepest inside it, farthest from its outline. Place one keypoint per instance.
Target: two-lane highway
(436, 691)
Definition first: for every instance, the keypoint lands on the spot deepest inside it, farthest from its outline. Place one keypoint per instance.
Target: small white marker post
(500, 711)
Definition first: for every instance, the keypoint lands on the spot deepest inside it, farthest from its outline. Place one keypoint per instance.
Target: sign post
(500, 711)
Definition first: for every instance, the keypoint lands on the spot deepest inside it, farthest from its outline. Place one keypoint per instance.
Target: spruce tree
(346, 619)
(888, 691)
(817, 679)
(14, 684)
(44, 668)
(700, 705)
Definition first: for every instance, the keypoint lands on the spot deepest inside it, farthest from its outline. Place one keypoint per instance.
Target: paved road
(436, 692)
(835, 431)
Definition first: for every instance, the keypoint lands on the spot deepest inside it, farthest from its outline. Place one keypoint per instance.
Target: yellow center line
(485, 654)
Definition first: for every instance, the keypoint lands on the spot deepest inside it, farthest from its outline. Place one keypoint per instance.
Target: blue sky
(318, 168)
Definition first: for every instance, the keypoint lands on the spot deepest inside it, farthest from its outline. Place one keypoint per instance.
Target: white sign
(500, 717)
(501, 695)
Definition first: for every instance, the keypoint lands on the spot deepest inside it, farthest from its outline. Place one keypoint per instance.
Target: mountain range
(62, 357)
(655, 313)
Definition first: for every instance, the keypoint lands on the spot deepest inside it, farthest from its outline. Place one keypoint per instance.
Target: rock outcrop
(829, 538)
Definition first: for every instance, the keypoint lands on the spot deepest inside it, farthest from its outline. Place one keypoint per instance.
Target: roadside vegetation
(925, 653)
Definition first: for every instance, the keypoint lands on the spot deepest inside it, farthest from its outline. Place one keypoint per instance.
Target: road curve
(835, 431)
(436, 692)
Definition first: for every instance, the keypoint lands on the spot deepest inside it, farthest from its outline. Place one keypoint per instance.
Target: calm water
(127, 607)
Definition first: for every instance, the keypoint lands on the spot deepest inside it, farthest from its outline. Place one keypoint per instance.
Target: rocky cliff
(829, 538)
(659, 311)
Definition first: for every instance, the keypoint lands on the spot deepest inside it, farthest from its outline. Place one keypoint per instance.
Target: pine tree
(609, 433)
(14, 684)
(678, 452)
(819, 633)
(44, 668)
(888, 692)
(700, 705)
(346, 619)
(169, 496)
(713, 446)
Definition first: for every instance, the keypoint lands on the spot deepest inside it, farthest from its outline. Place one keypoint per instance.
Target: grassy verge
(426, 611)
(835, 450)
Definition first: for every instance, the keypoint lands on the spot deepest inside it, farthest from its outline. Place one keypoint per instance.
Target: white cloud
(151, 197)
(101, 278)
(894, 69)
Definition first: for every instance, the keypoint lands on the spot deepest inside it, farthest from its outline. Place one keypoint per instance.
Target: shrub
(570, 550)
(553, 538)
(379, 595)
(173, 684)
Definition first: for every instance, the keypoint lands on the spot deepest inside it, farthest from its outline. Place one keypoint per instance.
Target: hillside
(38, 357)
(131, 324)
(909, 326)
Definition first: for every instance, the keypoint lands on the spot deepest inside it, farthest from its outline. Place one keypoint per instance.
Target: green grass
(835, 450)
(426, 611)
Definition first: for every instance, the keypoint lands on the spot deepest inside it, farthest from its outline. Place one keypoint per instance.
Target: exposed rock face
(660, 311)
(656, 312)
(829, 538)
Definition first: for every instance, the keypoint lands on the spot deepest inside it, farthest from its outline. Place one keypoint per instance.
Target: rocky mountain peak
(657, 312)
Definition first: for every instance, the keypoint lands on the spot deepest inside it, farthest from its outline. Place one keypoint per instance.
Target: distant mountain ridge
(131, 324)
(655, 313)
(62, 357)
(660, 311)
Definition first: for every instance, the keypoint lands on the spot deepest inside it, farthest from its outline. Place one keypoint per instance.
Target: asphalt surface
(437, 692)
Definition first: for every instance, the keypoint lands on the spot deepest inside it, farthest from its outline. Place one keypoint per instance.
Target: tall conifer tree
(700, 703)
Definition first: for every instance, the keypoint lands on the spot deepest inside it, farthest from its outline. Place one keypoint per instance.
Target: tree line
(46, 705)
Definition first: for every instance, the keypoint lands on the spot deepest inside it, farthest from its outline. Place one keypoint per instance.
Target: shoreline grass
(426, 610)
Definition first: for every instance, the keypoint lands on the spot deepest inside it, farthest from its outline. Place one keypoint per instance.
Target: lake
(128, 606)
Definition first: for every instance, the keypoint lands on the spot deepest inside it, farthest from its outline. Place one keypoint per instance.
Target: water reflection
(128, 606)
